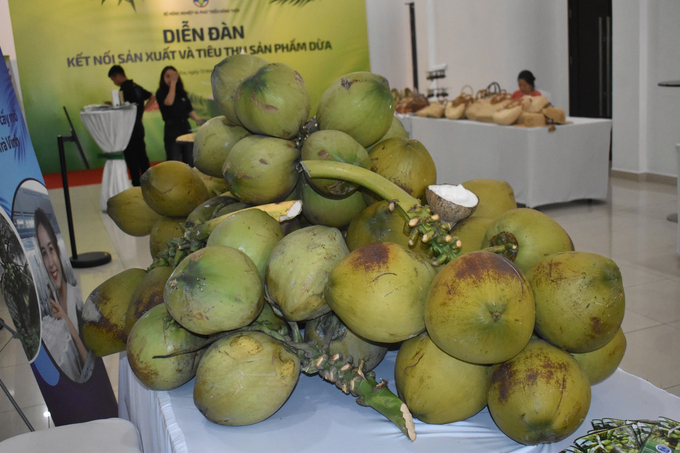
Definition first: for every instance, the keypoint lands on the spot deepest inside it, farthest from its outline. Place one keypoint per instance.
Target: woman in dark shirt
(176, 110)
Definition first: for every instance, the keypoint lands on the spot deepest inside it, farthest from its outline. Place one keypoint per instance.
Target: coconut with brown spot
(580, 300)
(480, 309)
(539, 396)
(379, 291)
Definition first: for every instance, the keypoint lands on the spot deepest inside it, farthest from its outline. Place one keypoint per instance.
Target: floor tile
(12, 423)
(657, 300)
(633, 321)
(652, 355)
(675, 390)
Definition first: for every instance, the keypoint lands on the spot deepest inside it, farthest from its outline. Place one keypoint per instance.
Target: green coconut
(336, 146)
(359, 104)
(471, 232)
(602, 363)
(238, 206)
(395, 130)
(261, 170)
(254, 232)
(244, 378)
(580, 300)
(320, 210)
(130, 213)
(406, 163)
(215, 289)
(214, 139)
(480, 309)
(539, 396)
(163, 354)
(535, 234)
(273, 101)
(209, 209)
(147, 295)
(215, 186)
(377, 223)
(166, 229)
(226, 77)
(379, 291)
(436, 387)
(173, 189)
(105, 310)
(298, 269)
(332, 335)
(495, 197)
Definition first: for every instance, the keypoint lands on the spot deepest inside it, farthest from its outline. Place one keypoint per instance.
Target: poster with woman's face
(58, 293)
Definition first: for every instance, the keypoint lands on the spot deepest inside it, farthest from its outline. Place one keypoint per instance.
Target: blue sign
(38, 282)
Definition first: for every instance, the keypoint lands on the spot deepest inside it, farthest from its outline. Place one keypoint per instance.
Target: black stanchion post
(414, 50)
(90, 259)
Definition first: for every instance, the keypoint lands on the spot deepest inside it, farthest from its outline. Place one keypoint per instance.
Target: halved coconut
(452, 202)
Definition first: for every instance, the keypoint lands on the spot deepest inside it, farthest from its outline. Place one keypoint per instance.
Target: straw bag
(538, 103)
(482, 98)
(434, 110)
(509, 114)
(487, 102)
(456, 109)
(412, 104)
(527, 119)
(497, 103)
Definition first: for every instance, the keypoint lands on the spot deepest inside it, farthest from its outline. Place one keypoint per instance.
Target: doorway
(590, 58)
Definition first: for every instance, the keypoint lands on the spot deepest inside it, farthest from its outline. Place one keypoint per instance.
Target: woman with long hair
(62, 337)
(176, 109)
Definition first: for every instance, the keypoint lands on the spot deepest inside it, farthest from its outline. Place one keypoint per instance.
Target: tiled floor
(631, 228)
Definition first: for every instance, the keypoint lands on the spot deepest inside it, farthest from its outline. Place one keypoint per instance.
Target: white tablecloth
(111, 128)
(571, 163)
(677, 149)
(319, 417)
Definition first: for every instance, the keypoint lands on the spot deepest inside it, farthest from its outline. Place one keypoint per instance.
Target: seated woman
(525, 81)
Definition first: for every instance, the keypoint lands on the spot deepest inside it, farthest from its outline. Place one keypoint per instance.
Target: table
(318, 417)
(111, 128)
(542, 167)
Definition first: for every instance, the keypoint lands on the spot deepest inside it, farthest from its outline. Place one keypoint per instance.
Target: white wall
(646, 51)
(389, 41)
(481, 41)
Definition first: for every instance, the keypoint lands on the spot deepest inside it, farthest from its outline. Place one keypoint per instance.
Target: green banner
(65, 49)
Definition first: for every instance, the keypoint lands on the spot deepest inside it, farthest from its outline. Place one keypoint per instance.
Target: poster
(65, 49)
(37, 281)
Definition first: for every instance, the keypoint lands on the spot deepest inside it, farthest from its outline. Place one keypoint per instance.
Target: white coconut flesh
(456, 194)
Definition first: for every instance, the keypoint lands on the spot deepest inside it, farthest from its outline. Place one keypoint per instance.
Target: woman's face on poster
(50, 256)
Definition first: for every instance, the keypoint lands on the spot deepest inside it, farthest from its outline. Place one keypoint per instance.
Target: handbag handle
(494, 88)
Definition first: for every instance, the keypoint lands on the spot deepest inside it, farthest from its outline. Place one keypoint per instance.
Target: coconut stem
(351, 379)
(423, 224)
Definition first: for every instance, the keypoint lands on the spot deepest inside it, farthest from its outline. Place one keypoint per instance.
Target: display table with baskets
(543, 167)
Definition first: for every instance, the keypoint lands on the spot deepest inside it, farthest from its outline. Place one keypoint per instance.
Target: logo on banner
(201, 3)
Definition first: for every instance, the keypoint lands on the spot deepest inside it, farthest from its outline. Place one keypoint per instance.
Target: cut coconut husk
(452, 202)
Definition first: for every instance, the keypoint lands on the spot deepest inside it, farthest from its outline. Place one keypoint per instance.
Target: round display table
(111, 128)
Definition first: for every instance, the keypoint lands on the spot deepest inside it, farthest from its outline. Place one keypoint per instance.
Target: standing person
(61, 332)
(526, 83)
(176, 110)
(136, 158)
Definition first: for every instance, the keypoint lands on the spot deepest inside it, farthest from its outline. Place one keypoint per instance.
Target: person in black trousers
(176, 109)
(135, 155)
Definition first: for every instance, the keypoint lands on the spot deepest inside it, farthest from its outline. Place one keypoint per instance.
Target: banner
(38, 283)
(65, 49)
